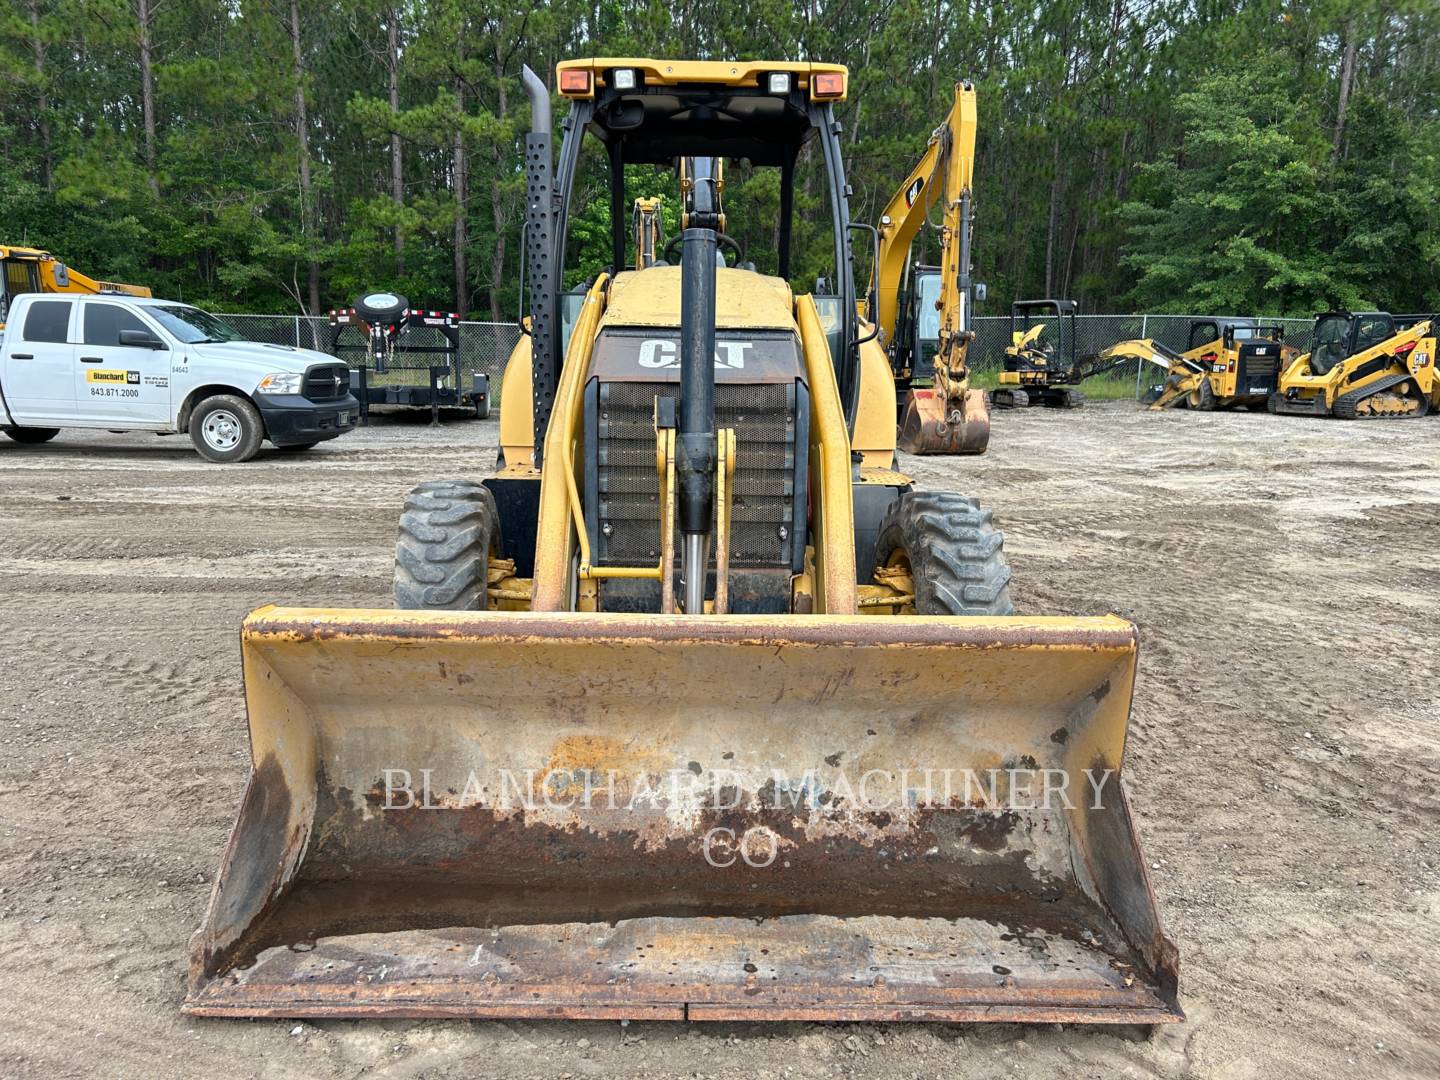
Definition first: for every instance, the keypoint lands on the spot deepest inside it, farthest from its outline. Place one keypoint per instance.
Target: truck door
(39, 362)
(120, 382)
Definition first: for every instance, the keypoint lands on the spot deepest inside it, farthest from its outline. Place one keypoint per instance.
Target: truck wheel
(953, 551)
(30, 435)
(448, 531)
(226, 428)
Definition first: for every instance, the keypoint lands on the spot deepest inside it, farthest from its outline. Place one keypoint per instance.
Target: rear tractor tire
(953, 550)
(448, 532)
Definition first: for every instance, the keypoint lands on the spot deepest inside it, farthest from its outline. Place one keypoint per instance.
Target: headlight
(281, 382)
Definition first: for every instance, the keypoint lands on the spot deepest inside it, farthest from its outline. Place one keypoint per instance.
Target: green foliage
(1161, 156)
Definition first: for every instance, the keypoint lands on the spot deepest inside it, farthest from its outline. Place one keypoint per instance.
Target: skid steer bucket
(588, 815)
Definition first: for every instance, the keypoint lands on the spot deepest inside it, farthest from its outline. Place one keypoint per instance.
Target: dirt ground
(1284, 751)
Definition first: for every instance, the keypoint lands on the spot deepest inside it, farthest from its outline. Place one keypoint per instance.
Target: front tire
(30, 436)
(226, 429)
(1202, 398)
(953, 551)
(448, 531)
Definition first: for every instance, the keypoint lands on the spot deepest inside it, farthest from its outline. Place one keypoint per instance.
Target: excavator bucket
(493, 814)
(926, 427)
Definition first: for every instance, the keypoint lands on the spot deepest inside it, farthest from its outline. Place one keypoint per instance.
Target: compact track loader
(1362, 366)
(924, 315)
(1229, 363)
(694, 708)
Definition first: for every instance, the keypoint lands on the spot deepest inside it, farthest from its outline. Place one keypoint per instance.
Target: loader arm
(1182, 369)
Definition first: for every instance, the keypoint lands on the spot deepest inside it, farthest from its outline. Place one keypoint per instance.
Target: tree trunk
(397, 174)
(47, 161)
(144, 15)
(302, 134)
(1054, 221)
(497, 202)
(462, 286)
(1347, 80)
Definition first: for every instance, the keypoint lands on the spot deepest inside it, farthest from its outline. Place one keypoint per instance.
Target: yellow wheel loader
(1362, 366)
(924, 315)
(28, 270)
(693, 709)
(1229, 363)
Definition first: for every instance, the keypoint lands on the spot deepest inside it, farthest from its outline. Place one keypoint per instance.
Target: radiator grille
(763, 416)
(327, 382)
(1257, 372)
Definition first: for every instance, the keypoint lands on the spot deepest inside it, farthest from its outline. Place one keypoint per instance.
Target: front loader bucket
(578, 815)
(927, 426)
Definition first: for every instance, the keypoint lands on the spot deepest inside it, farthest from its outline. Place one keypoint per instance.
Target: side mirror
(140, 339)
(980, 291)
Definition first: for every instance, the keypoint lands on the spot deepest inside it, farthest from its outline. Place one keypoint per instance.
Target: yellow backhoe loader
(694, 708)
(27, 270)
(1362, 366)
(924, 314)
(1229, 363)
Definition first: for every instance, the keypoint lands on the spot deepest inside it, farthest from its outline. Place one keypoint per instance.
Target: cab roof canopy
(654, 111)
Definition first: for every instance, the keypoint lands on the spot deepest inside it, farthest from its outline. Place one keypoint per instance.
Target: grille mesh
(763, 508)
(321, 385)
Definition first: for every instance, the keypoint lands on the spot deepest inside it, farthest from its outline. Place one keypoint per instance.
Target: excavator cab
(695, 708)
(21, 275)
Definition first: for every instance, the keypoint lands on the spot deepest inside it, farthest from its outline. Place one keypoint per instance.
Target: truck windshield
(191, 325)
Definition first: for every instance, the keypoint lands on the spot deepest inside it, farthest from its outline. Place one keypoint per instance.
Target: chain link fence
(485, 346)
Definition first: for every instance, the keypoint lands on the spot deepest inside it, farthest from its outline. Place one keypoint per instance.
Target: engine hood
(259, 354)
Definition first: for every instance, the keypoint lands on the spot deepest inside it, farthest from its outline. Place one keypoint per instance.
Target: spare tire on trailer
(448, 532)
(954, 553)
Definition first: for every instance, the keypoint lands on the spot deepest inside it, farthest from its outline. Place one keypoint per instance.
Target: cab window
(103, 323)
(1373, 330)
(48, 320)
(1203, 333)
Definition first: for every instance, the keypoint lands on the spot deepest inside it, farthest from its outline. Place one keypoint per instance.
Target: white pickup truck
(124, 363)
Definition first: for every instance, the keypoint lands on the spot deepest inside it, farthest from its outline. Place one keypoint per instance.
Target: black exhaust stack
(695, 441)
(541, 255)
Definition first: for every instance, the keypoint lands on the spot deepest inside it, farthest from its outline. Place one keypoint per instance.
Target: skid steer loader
(1362, 366)
(695, 708)
(1227, 363)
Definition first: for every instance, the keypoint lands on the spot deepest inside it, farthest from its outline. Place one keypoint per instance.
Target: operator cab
(1339, 335)
(1057, 339)
(21, 275)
